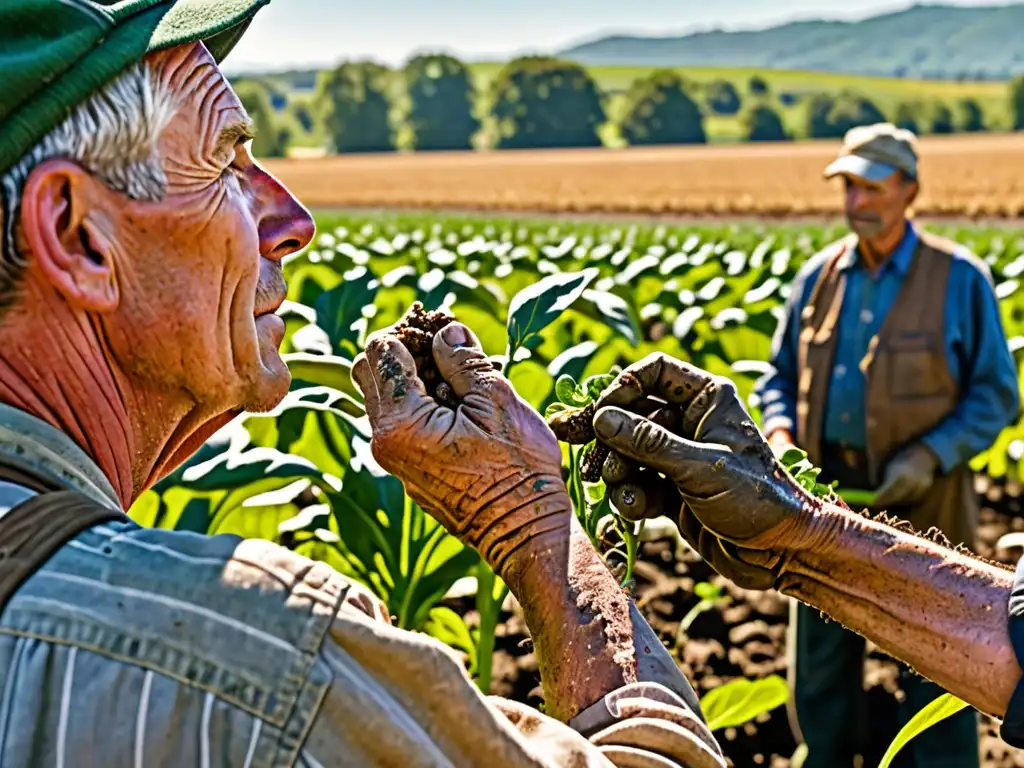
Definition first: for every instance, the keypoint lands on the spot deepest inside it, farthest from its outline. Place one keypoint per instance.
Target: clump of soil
(416, 331)
(574, 425)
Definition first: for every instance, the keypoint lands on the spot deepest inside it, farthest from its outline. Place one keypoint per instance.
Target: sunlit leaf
(740, 701)
(537, 305)
(944, 706)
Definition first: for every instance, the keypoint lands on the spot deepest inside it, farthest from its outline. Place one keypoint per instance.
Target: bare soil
(746, 637)
(962, 176)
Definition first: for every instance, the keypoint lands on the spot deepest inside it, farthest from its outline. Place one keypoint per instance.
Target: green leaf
(740, 701)
(856, 497)
(325, 371)
(448, 627)
(532, 382)
(234, 470)
(573, 360)
(943, 707)
(568, 392)
(195, 517)
(536, 306)
(792, 457)
(706, 591)
(613, 311)
(595, 385)
(338, 309)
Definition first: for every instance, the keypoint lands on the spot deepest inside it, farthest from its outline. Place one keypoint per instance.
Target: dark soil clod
(574, 426)
(416, 332)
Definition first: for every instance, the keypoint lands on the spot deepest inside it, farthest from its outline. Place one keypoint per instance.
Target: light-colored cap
(875, 152)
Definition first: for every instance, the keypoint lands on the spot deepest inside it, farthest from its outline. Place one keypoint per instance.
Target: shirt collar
(41, 449)
(900, 259)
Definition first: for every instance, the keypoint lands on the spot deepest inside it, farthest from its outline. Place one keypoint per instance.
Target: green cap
(875, 152)
(54, 54)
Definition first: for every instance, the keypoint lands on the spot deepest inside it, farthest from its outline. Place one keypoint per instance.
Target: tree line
(538, 102)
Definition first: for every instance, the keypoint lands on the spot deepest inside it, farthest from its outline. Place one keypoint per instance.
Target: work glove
(907, 477)
(489, 470)
(710, 468)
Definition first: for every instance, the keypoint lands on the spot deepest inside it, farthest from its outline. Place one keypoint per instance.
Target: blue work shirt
(977, 351)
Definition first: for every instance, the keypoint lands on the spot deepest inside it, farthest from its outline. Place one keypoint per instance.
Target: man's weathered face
(875, 208)
(200, 271)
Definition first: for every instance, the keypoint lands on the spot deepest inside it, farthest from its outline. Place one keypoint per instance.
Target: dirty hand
(741, 510)
(907, 477)
(490, 470)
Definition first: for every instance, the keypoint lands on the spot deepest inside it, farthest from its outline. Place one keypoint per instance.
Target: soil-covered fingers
(747, 568)
(392, 370)
(363, 378)
(655, 447)
(461, 360)
(657, 375)
(645, 495)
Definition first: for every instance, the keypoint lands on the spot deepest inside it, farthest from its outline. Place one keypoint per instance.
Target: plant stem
(489, 607)
(632, 549)
(507, 365)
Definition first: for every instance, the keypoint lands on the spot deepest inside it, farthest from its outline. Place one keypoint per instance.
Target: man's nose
(285, 226)
(855, 198)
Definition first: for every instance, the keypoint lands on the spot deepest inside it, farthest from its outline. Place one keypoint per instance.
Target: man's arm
(990, 397)
(403, 698)
(943, 611)
(777, 389)
(490, 471)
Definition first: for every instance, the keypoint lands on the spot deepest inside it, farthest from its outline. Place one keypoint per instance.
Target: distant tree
(1017, 102)
(788, 98)
(942, 119)
(906, 117)
(723, 98)
(972, 117)
(271, 140)
(762, 123)
(758, 86)
(660, 111)
(545, 102)
(830, 117)
(354, 104)
(441, 96)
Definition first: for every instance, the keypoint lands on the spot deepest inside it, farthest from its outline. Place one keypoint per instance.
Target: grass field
(973, 176)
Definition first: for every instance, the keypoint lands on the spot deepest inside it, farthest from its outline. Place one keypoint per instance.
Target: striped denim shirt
(138, 647)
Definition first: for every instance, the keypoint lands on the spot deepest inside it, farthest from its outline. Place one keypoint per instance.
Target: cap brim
(219, 24)
(854, 165)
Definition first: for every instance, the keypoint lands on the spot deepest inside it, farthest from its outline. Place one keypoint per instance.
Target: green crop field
(554, 302)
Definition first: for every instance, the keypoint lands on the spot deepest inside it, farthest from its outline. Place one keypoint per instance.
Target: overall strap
(33, 531)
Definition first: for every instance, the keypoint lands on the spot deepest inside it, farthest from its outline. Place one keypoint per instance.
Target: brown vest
(909, 385)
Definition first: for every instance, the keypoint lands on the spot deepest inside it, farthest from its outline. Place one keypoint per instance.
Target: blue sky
(296, 33)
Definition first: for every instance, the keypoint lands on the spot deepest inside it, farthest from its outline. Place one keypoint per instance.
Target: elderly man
(141, 271)
(892, 371)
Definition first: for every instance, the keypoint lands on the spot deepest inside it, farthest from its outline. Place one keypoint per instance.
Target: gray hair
(113, 135)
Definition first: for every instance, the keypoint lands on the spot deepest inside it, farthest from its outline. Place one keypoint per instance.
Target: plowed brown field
(975, 176)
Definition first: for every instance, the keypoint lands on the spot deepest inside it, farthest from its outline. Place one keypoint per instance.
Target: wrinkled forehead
(208, 119)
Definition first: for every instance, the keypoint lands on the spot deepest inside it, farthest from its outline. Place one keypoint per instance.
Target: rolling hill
(924, 41)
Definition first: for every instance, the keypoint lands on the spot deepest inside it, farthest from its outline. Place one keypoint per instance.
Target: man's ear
(71, 252)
